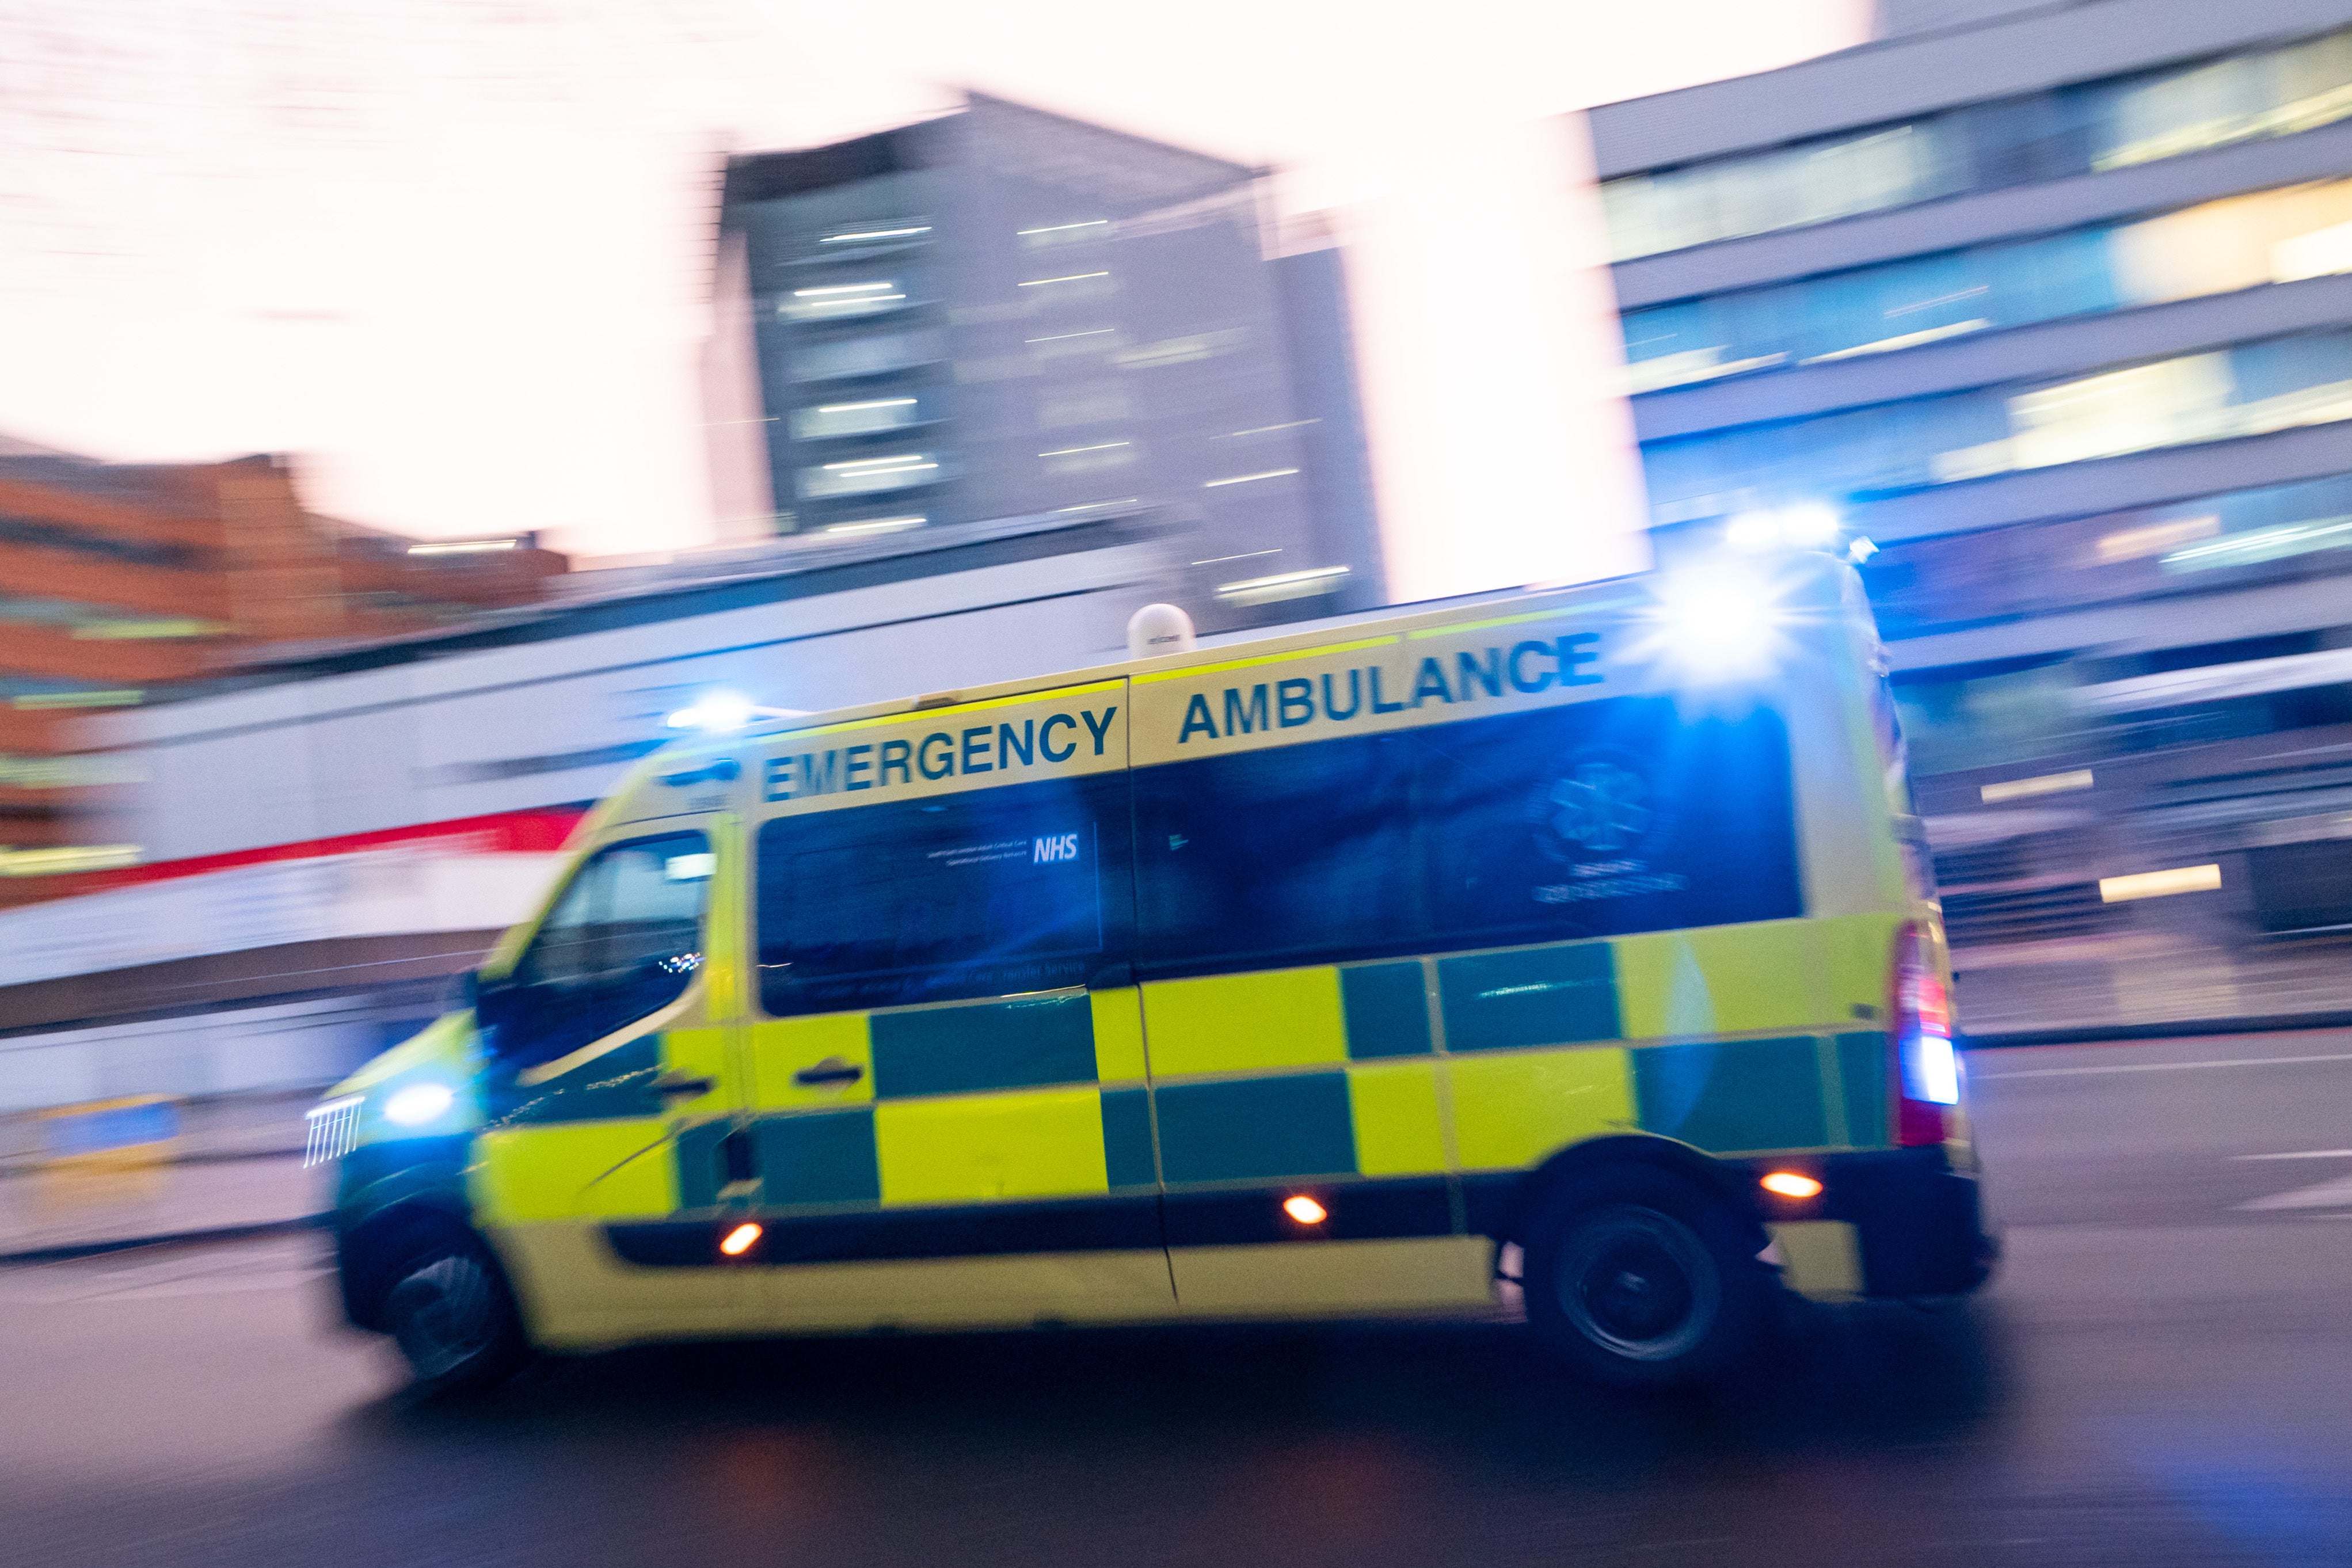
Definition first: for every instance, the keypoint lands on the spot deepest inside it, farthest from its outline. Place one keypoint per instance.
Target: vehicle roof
(1631, 591)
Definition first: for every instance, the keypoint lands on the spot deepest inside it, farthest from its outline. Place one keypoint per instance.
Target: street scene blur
(1610, 765)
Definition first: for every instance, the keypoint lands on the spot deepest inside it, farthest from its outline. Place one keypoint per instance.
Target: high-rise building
(2052, 305)
(1002, 312)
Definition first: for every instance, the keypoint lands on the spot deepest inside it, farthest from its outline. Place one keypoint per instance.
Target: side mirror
(496, 1001)
(469, 989)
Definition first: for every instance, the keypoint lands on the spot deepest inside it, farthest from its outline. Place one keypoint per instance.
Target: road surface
(2162, 1375)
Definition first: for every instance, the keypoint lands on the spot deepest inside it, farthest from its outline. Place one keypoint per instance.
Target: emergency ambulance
(1572, 952)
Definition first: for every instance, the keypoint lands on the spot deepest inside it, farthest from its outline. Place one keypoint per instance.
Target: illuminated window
(2143, 540)
(2172, 403)
(2099, 125)
(68, 772)
(2270, 533)
(865, 356)
(902, 231)
(66, 858)
(837, 301)
(2243, 242)
(2320, 252)
(2159, 405)
(2238, 99)
(2255, 389)
(1078, 231)
(1088, 456)
(2276, 236)
(2254, 546)
(1807, 183)
(870, 476)
(862, 417)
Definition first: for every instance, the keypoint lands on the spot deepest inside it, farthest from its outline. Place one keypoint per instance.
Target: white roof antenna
(1155, 631)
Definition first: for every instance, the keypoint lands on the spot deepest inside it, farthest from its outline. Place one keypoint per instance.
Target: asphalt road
(2159, 1376)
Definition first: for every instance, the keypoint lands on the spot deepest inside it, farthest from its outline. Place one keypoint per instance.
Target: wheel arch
(1508, 1221)
(369, 1253)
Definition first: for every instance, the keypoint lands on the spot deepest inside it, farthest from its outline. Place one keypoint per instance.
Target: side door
(612, 1085)
(950, 1113)
(1298, 1091)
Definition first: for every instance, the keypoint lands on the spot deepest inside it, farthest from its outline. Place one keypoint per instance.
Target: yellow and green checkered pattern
(1734, 1039)
(1033, 1096)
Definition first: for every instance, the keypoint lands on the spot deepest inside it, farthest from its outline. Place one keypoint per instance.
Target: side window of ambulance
(1631, 814)
(1625, 815)
(981, 894)
(1294, 855)
(624, 940)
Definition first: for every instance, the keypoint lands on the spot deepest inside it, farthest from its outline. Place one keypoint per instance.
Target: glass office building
(1005, 313)
(2053, 306)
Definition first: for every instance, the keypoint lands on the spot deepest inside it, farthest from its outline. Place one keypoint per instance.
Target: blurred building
(1002, 312)
(2052, 305)
(119, 584)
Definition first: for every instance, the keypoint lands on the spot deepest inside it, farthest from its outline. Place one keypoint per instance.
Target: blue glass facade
(2079, 129)
(1899, 305)
(2240, 242)
(1861, 454)
(2235, 539)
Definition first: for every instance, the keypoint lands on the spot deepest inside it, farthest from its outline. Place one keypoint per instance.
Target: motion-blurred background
(408, 404)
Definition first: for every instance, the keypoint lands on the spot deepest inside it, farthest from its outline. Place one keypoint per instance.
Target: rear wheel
(1639, 1279)
(454, 1318)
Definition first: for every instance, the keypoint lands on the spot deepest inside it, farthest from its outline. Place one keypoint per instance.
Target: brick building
(123, 586)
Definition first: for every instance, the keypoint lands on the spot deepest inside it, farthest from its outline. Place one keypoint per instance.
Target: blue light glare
(418, 1104)
(1720, 622)
(1807, 525)
(1812, 526)
(715, 710)
(1931, 1070)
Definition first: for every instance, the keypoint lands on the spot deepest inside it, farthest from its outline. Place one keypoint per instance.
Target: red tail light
(1927, 1068)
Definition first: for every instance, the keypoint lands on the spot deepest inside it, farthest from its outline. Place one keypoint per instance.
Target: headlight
(418, 1104)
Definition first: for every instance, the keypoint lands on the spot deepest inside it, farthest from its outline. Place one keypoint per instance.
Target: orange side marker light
(739, 1240)
(1304, 1210)
(1791, 1184)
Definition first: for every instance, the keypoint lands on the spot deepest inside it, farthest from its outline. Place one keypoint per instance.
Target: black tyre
(1639, 1279)
(454, 1318)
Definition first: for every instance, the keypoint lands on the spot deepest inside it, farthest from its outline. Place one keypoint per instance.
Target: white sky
(453, 252)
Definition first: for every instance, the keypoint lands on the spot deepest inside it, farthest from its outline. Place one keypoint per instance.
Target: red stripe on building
(510, 832)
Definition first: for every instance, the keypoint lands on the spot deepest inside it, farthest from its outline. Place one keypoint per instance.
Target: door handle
(833, 1069)
(680, 1086)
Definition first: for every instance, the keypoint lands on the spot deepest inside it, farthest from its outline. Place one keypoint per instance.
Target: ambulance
(1572, 953)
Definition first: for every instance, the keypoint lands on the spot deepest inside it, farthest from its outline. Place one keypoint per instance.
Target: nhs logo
(1061, 847)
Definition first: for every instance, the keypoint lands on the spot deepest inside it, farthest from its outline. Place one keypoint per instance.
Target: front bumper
(1917, 1224)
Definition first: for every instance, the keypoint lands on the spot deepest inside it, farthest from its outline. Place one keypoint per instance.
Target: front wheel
(454, 1319)
(1640, 1279)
